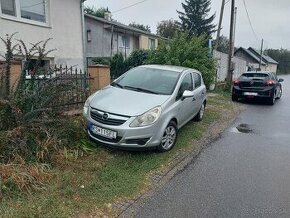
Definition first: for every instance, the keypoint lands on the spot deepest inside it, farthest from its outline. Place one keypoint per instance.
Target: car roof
(259, 72)
(168, 67)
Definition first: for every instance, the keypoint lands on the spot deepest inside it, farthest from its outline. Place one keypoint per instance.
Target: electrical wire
(130, 6)
(249, 19)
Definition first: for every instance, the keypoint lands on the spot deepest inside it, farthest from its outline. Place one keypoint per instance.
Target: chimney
(108, 15)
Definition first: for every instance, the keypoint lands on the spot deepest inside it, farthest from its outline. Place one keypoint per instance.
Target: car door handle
(193, 99)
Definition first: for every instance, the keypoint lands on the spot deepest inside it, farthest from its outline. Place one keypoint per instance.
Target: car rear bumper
(251, 93)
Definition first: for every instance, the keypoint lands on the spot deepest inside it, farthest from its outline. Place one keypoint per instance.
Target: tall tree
(100, 12)
(195, 19)
(141, 27)
(168, 28)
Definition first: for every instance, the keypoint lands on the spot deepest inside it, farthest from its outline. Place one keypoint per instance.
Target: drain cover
(244, 128)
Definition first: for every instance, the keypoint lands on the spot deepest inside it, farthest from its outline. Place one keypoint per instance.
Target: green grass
(91, 181)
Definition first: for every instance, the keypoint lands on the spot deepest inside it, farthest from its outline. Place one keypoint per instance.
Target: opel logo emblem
(105, 116)
(252, 82)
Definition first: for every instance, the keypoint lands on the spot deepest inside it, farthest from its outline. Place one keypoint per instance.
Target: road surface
(240, 175)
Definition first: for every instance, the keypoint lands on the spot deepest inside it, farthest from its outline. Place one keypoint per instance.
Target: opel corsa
(146, 107)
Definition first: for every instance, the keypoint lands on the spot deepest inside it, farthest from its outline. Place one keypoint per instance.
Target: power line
(130, 6)
(257, 38)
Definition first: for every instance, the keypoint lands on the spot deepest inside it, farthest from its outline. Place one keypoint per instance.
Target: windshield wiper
(117, 84)
(141, 90)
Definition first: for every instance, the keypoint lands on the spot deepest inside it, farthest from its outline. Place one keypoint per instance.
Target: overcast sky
(270, 18)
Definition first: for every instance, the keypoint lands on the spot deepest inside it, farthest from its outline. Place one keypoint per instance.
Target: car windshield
(260, 76)
(149, 80)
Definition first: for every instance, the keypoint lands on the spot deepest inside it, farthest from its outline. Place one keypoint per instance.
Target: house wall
(100, 44)
(222, 66)
(250, 61)
(64, 27)
(144, 42)
(272, 68)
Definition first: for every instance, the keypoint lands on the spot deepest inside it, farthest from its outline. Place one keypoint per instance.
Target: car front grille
(109, 119)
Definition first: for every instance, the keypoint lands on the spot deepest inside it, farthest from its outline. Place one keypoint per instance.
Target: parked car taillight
(270, 82)
(236, 82)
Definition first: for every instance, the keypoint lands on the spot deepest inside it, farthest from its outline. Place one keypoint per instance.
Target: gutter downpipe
(83, 35)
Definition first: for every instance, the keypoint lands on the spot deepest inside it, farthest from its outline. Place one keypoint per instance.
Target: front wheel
(169, 138)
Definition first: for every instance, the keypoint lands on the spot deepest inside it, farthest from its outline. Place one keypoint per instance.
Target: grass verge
(79, 183)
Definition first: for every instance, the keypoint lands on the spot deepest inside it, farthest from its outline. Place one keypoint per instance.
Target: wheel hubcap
(202, 109)
(168, 138)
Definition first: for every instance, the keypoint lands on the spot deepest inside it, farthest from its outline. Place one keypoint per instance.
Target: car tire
(169, 137)
(280, 94)
(271, 100)
(235, 98)
(200, 114)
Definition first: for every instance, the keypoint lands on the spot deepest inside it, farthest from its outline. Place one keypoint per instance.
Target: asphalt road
(240, 175)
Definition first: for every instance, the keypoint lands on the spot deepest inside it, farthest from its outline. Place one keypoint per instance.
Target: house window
(34, 10)
(151, 44)
(125, 42)
(8, 7)
(89, 35)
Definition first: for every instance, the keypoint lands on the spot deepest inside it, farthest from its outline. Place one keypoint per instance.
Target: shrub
(185, 51)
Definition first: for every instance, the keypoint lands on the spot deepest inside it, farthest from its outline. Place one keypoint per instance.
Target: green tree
(100, 12)
(168, 28)
(140, 27)
(282, 56)
(186, 51)
(195, 19)
(223, 45)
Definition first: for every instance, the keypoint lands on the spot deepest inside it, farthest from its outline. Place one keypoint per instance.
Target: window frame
(178, 94)
(126, 45)
(150, 44)
(195, 73)
(18, 18)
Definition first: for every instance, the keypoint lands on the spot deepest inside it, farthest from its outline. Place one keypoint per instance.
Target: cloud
(270, 19)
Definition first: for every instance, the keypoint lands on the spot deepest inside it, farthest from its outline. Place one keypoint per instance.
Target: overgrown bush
(119, 65)
(185, 51)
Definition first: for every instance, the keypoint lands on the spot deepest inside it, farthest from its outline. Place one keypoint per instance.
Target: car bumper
(252, 93)
(127, 137)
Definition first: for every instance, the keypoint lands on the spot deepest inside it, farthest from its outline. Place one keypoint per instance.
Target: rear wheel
(271, 100)
(169, 138)
(200, 114)
(280, 93)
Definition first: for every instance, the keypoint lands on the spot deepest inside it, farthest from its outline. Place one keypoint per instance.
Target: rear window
(254, 76)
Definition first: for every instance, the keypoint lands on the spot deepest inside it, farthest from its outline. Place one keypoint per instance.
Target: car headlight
(87, 104)
(147, 118)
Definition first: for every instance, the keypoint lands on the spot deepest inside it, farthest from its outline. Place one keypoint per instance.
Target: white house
(38, 20)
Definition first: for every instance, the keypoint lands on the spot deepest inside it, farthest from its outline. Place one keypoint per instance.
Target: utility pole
(261, 53)
(234, 34)
(230, 55)
(220, 24)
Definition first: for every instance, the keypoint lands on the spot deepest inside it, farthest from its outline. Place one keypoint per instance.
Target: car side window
(186, 84)
(197, 80)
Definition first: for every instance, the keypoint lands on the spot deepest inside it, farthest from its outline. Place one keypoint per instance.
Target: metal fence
(68, 86)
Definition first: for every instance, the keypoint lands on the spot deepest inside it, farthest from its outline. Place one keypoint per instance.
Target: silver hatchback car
(145, 107)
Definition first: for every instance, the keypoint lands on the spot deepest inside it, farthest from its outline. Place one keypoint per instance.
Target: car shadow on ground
(254, 101)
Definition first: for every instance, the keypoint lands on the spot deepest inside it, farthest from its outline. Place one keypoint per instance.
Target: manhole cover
(244, 128)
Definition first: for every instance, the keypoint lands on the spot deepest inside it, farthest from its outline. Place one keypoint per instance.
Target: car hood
(126, 102)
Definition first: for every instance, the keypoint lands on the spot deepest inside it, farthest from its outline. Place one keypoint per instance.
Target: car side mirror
(187, 94)
(281, 80)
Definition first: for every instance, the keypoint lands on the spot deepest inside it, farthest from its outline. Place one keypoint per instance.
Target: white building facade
(39, 20)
